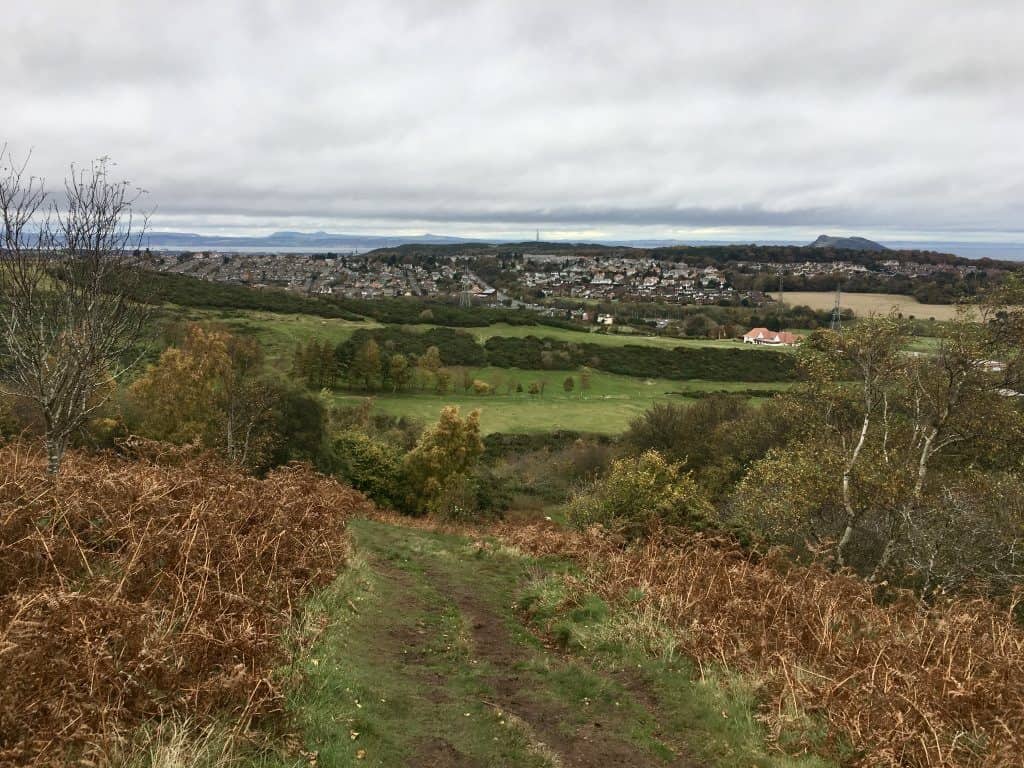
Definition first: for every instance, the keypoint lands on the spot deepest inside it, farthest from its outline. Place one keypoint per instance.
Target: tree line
(397, 360)
(362, 364)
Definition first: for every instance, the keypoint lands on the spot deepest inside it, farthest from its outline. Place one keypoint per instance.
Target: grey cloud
(477, 114)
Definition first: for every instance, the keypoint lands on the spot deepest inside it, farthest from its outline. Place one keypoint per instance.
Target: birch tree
(208, 392)
(851, 375)
(67, 319)
(899, 454)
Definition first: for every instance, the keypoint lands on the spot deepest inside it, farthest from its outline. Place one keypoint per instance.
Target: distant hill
(768, 250)
(847, 243)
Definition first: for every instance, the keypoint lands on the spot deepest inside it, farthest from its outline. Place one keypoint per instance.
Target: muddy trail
(426, 658)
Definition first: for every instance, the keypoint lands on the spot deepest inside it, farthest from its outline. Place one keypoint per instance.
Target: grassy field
(872, 303)
(278, 334)
(606, 408)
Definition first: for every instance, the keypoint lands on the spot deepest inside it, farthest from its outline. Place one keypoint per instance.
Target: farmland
(864, 304)
(606, 408)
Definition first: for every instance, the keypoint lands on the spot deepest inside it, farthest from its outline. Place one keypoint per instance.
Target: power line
(837, 316)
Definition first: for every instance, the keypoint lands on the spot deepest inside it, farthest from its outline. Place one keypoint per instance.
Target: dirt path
(427, 656)
(530, 689)
(586, 744)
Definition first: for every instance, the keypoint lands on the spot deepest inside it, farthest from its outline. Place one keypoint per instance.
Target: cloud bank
(473, 117)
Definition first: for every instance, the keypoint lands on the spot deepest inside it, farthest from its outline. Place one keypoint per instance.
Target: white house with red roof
(771, 338)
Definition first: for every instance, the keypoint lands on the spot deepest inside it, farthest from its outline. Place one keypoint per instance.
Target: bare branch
(66, 319)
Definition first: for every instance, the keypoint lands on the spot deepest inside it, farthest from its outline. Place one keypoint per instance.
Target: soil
(588, 745)
(525, 679)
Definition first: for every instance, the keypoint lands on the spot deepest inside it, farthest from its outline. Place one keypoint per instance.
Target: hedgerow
(706, 363)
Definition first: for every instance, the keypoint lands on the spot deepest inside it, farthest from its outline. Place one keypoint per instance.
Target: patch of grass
(278, 334)
(928, 344)
(177, 743)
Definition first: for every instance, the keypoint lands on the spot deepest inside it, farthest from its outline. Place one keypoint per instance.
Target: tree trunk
(882, 566)
(851, 514)
(55, 448)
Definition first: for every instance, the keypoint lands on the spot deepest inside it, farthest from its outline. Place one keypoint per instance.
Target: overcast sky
(753, 120)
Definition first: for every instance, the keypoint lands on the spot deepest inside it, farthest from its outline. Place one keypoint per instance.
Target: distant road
(499, 295)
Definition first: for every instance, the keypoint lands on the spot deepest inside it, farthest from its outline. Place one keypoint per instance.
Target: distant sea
(1006, 251)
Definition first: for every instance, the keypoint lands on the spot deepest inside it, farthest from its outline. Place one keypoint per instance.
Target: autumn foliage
(133, 589)
(902, 684)
(899, 685)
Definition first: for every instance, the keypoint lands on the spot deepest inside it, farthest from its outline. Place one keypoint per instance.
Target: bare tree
(67, 317)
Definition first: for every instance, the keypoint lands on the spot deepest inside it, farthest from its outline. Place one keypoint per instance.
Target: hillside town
(348, 275)
(357, 276)
(530, 279)
(619, 278)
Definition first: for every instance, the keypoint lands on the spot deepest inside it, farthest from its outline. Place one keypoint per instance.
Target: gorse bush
(449, 449)
(137, 590)
(641, 496)
(371, 465)
(440, 474)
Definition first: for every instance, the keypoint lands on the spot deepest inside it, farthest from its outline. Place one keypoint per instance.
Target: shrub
(370, 465)
(138, 590)
(710, 364)
(187, 291)
(456, 501)
(639, 496)
(299, 428)
(448, 449)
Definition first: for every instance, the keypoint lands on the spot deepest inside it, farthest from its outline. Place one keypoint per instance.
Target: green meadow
(607, 407)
